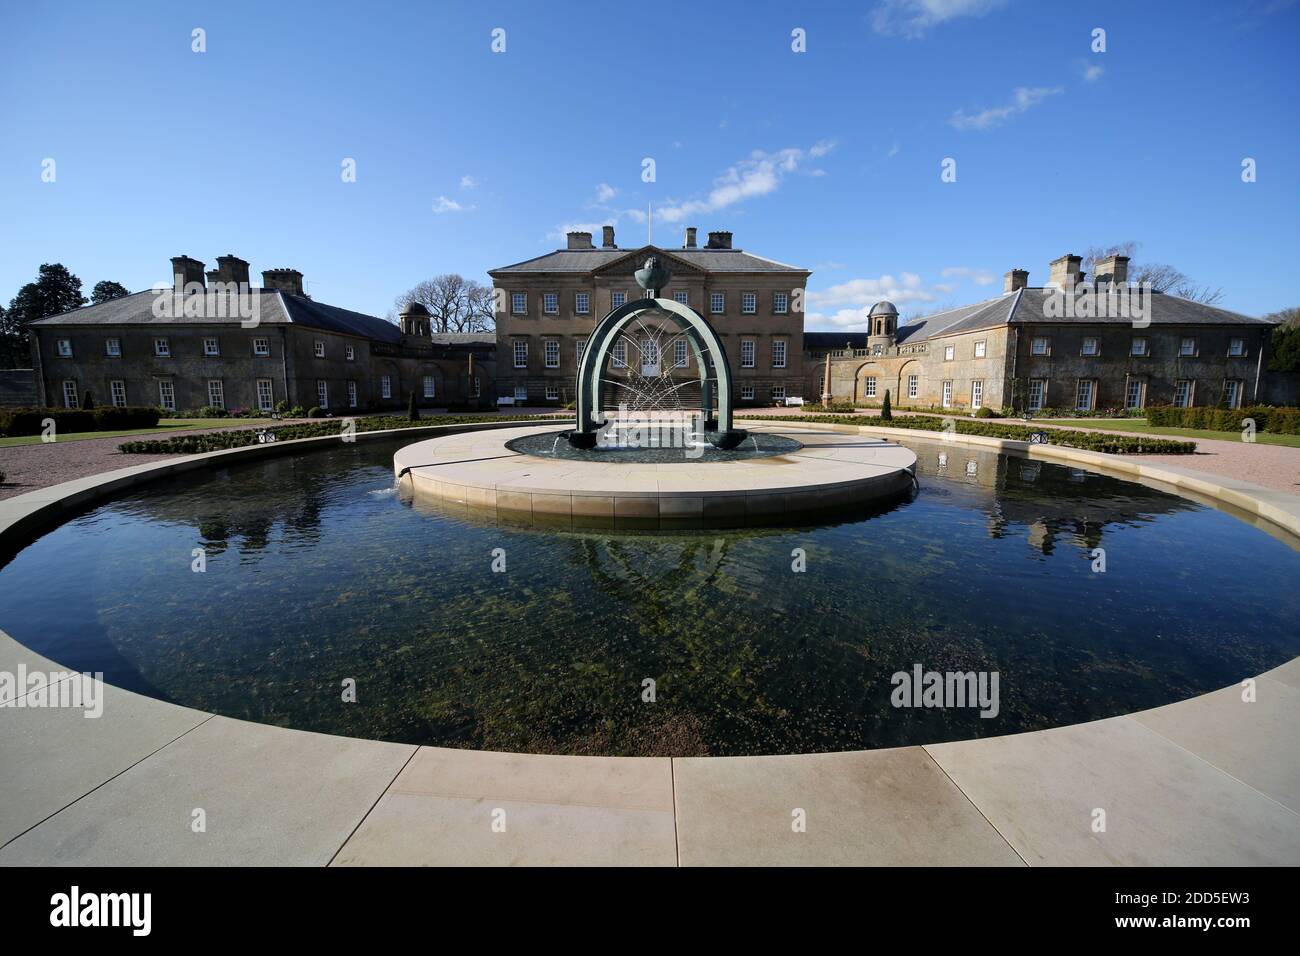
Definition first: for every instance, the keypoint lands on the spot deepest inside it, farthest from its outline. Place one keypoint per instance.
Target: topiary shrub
(315, 412)
(88, 403)
(413, 408)
(985, 412)
(886, 413)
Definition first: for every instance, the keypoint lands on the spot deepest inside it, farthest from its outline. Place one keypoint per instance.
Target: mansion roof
(1030, 305)
(274, 308)
(587, 261)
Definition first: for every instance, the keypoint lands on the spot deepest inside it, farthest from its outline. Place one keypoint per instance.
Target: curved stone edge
(1206, 781)
(625, 505)
(1245, 499)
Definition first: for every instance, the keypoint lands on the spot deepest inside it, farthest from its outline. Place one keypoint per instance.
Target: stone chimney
(230, 270)
(580, 240)
(1015, 279)
(608, 238)
(719, 240)
(1114, 269)
(690, 238)
(1065, 272)
(186, 271)
(288, 281)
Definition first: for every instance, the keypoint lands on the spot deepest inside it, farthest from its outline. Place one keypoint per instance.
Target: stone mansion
(1016, 350)
(1038, 347)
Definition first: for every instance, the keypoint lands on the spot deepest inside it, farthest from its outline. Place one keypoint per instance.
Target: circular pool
(1086, 596)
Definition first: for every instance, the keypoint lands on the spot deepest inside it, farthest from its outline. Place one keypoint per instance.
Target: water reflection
(317, 572)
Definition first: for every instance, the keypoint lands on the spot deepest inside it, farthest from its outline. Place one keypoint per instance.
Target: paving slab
(54, 756)
(271, 797)
(1254, 741)
(865, 808)
(557, 811)
(1164, 806)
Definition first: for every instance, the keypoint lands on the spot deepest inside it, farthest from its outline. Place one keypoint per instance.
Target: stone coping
(831, 473)
(1212, 780)
(1209, 781)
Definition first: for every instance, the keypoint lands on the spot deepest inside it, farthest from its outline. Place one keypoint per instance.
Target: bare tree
(1162, 277)
(455, 304)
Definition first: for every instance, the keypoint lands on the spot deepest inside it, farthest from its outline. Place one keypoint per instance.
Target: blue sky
(830, 159)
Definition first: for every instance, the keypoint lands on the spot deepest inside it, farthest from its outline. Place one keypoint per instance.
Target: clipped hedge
(1067, 438)
(240, 437)
(15, 422)
(1277, 420)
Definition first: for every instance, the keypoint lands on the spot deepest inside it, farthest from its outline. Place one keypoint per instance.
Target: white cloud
(605, 192)
(1093, 71)
(978, 276)
(908, 287)
(912, 18)
(443, 204)
(468, 182)
(1022, 99)
(758, 175)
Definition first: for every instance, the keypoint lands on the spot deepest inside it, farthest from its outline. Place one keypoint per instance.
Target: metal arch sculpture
(704, 343)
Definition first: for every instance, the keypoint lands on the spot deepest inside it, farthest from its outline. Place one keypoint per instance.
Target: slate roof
(1029, 306)
(1166, 309)
(828, 341)
(583, 261)
(464, 338)
(275, 308)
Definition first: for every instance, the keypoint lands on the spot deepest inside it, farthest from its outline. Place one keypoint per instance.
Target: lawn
(1140, 426)
(165, 426)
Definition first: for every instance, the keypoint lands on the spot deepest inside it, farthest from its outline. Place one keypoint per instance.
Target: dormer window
(65, 351)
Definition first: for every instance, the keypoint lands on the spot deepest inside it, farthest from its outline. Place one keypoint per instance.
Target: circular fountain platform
(821, 472)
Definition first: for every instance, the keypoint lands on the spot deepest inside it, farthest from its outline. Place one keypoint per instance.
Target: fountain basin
(826, 472)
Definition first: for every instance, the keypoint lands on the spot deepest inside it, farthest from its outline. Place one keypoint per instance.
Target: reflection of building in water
(1042, 501)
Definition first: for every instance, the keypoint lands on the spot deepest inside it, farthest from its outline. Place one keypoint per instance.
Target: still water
(317, 572)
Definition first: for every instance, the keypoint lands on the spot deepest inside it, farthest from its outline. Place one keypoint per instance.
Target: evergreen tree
(55, 291)
(88, 402)
(413, 410)
(886, 415)
(107, 289)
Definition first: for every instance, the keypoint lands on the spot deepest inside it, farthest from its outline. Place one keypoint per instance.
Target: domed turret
(414, 320)
(882, 327)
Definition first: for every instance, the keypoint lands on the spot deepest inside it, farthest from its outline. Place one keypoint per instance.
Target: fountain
(653, 389)
(645, 452)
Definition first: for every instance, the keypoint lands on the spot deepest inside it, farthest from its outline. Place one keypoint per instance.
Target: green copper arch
(704, 342)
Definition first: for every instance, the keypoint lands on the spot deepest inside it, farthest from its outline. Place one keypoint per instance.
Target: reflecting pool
(317, 571)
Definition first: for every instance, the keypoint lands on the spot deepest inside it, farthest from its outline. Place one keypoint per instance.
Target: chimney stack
(288, 281)
(608, 238)
(580, 240)
(719, 240)
(230, 270)
(1015, 279)
(186, 271)
(1113, 268)
(690, 237)
(1065, 272)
